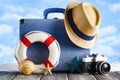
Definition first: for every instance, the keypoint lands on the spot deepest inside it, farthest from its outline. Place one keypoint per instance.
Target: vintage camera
(95, 64)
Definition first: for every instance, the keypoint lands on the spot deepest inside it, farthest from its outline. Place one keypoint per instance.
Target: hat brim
(71, 34)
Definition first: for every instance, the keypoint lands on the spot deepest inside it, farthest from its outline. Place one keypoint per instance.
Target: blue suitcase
(56, 28)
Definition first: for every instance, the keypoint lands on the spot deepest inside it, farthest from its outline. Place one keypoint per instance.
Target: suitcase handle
(52, 10)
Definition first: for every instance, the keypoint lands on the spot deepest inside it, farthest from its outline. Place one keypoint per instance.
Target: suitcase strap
(52, 10)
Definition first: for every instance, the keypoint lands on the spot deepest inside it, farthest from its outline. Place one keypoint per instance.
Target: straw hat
(81, 22)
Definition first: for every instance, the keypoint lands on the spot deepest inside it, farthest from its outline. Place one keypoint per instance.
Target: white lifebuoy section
(39, 36)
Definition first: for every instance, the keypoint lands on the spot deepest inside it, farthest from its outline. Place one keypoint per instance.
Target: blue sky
(13, 10)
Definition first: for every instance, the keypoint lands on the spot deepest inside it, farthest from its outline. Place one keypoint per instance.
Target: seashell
(27, 67)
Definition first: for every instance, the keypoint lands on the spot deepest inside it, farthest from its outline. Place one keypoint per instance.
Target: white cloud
(14, 13)
(101, 2)
(5, 51)
(116, 43)
(30, 16)
(106, 31)
(108, 51)
(6, 54)
(11, 8)
(114, 7)
(28, 13)
(103, 49)
(108, 43)
(8, 35)
(14, 8)
(10, 16)
(33, 13)
(5, 29)
(11, 12)
(107, 39)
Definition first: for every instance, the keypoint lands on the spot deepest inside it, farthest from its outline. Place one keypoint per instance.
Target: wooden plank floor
(58, 76)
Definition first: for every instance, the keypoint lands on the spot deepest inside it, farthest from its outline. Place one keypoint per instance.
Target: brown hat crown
(87, 18)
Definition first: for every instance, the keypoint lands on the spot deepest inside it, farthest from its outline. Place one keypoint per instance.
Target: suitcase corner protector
(21, 21)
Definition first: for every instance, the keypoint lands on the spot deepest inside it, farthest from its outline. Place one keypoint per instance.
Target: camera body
(95, 64)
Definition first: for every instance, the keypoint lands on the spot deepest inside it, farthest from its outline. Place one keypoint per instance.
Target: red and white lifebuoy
(39, 36)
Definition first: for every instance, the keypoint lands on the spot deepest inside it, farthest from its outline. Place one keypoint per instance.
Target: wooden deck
(58, 76)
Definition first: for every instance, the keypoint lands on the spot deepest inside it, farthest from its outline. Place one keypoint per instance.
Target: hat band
(75, 29)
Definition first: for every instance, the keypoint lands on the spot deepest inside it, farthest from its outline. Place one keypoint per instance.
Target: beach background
(11, 11)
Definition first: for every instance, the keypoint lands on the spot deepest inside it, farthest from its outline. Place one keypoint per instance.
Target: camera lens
(103, 67)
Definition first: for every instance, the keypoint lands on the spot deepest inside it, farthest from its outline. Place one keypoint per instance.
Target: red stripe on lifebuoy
(48, 63)
(25, 41)
(26, 59)
(49, 40)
